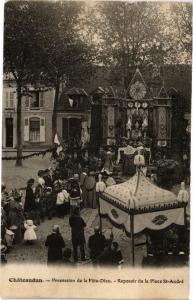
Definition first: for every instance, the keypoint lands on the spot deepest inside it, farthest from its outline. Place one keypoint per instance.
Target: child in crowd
(29, 235)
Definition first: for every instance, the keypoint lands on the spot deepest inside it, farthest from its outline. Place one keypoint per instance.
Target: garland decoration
(23, 157)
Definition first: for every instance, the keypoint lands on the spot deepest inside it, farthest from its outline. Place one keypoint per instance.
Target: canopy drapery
(138, 204)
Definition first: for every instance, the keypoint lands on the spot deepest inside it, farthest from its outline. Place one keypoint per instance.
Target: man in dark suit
(78, 239)
(55, 244)
(96, 243)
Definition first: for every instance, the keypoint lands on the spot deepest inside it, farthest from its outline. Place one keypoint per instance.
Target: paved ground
(37, 253)
(16, 177)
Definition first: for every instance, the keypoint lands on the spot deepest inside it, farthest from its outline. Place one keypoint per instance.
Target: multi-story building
(36, 120)
(73, 115)
(37, 110)
(9, 116)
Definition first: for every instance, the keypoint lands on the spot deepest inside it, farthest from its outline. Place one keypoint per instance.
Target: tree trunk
(19, 135)
(54, 115)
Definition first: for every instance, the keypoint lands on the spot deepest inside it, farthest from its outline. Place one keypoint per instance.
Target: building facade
(73, 115)
(9, 116)
(36, 116)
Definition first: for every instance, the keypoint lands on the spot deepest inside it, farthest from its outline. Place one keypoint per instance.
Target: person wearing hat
(41, 180)
(3, 254)
(3, 223)
(108, 165)
(62, 197)
(40, 199)
(16, 215)
(75, 193)
(100, 187)
(4, 199)
(30, 205)
(55, 244)
(90, 189)
(77, 225)
(96, 243)
(83, 176)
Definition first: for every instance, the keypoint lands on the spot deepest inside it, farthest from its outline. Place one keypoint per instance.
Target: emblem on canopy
(159, 220)
(114, 213)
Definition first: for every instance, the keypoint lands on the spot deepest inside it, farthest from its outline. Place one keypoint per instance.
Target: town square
(96, 128)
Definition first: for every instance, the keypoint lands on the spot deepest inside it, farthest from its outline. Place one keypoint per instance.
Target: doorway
(9, 132)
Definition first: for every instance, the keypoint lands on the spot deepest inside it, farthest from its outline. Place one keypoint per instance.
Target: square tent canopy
(138, 205)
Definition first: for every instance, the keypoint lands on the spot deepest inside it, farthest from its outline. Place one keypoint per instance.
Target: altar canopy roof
(139, 192)
(138, 204)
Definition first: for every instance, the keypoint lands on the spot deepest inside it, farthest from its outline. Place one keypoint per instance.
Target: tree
(42, 44)
(181, 24)
(182, 17)
(128, 33)
(62, 56)
(19, 47)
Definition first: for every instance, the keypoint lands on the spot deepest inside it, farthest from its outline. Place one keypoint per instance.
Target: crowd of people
(50, 196)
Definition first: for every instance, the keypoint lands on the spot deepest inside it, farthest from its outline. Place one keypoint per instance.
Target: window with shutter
(42, 130)
(11, 98)
(34, 129)
(27, 102)
(26, 122)
(7, 99)
(35, 100)
(26, 129)
(41, 99)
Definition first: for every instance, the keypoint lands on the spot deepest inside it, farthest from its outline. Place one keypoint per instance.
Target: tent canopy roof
(139, 192)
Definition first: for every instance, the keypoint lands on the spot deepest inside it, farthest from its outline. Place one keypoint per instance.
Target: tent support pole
(132, 238)
(100, 218)
(185, 215)
(146, 242)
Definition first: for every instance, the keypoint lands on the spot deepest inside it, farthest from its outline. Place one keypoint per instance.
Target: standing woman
(30, 203)
(90, 189)
(16, 215)
(83, 176)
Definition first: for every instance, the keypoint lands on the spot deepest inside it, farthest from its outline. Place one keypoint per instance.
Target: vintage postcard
(96, 127)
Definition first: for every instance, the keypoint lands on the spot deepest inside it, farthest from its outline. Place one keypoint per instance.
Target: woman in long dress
(16, 216)
(30, 204)
(83, 176)
(90, 190)
(108, 165)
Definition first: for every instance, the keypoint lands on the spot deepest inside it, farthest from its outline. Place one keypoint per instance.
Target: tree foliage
(182, 19)
(42, 44)
(128, 33)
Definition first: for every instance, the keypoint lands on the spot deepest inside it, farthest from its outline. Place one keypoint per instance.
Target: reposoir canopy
(154, 208)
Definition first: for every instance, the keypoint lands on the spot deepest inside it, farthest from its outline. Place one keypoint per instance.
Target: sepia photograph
(96, 130)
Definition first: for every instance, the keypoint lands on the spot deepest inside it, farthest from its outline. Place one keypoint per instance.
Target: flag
(71, 101)
(57, 142)
(56, 139)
